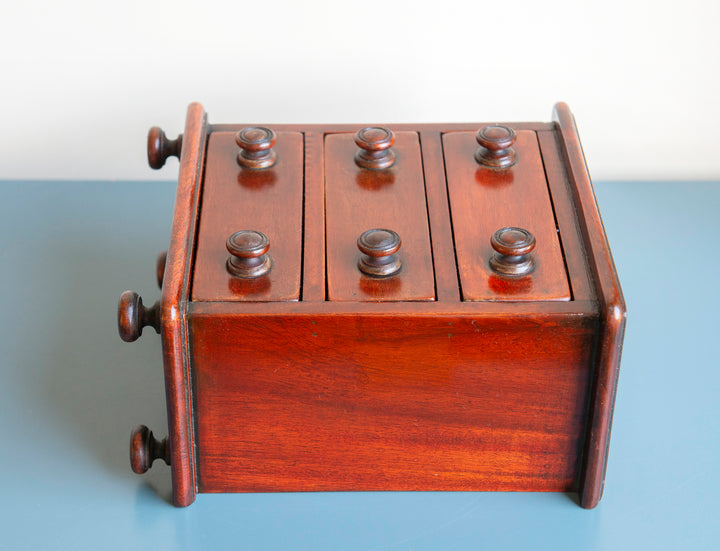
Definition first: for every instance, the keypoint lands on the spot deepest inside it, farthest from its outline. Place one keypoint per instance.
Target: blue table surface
(72, 391)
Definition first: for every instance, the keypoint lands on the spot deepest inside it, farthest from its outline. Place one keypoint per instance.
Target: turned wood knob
(256, 144)
(512, 252)
(144, 449)
(160, 268)
(496, 149)
(375, 143)
(248, 258)
(159, 148)
(133, 316)
(379, 248)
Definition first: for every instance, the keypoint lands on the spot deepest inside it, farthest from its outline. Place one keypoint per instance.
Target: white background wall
(81, 81)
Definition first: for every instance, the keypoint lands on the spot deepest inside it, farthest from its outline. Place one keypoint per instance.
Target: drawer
(484, 200)
(268, 200)
(361, 199)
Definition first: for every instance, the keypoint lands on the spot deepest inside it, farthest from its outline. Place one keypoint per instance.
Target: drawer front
(268, 200)
(360, 199)
(484, 200)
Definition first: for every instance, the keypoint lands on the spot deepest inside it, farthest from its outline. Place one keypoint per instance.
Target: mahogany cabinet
(421, 307)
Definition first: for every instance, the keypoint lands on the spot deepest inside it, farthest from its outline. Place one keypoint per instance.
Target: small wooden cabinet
(422, 307)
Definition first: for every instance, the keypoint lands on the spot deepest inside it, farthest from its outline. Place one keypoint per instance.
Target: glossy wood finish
(562, 196)
(613, 312)
(175, 297)
(513, 252)
(496, 147)
(268, 201)
(340, 402)
(159, 147)
(357, 200)
(256, 147)
(484, 200)
(248, 254)
(375, 143)
(446, 277)
(402, 394)
(313, 287)
(380, 252)
(145, 449)
(133, 316)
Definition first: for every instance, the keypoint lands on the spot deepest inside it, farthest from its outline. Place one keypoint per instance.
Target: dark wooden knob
(256, 144)
(496, 149)
(375, 143)
(133, 316)
(144, 449)
(160, 268)
(379, 248)
(512, 252)
(159, 147)
(248, 254)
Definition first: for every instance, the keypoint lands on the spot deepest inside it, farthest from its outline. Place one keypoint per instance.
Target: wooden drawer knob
(375, 143)
(144, 449)
(496, 149)
(133, 316)
(379, 248)
(248, 258)
(159, 148)
(512, 252)
(256, 144)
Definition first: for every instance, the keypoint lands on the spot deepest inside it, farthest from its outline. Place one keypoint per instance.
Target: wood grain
(362, 402)
(613, 313)
(269, 201)
(358, 199)
(447, 286)
(483, 200)
(566, 216)
(175, 295)
(400, 394)
(313, 288)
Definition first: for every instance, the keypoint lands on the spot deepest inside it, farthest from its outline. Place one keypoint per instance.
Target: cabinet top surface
(460, 217)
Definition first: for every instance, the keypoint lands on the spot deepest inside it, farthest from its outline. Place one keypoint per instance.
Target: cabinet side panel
(368, 402)
(174, 301)
(612, 313)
